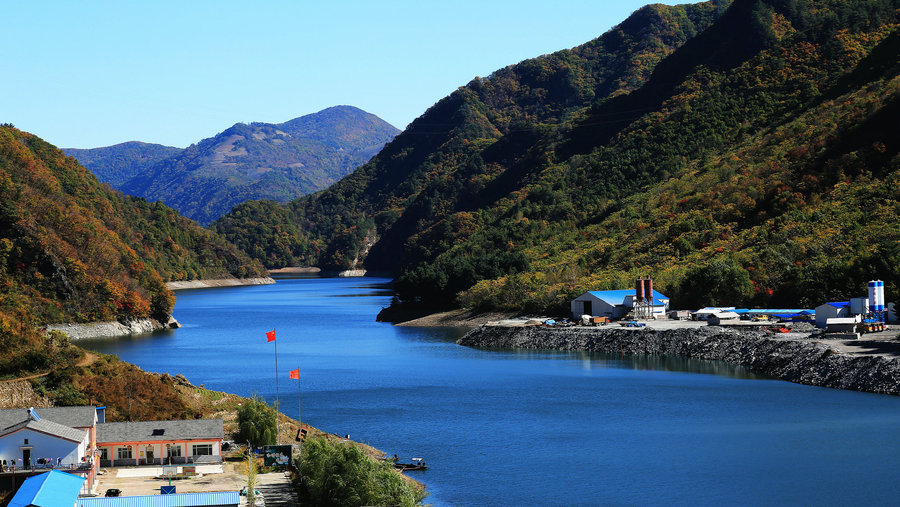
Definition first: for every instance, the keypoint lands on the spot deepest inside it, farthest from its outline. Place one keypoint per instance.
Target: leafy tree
(718, 283)
(256, 422)
(341, 475)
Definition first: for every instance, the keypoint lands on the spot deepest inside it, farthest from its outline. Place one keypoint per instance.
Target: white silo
(876, 297)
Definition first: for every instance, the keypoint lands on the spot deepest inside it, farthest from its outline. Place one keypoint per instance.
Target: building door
(149, 454)
(26, 458)
(588, 308)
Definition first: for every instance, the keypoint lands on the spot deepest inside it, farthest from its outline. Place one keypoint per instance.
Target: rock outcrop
(804, 361)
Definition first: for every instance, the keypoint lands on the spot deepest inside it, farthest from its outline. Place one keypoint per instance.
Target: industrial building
(871, 309)
(642, 302)
(834, 310)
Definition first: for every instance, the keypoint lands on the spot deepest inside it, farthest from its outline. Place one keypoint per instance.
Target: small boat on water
(417, 464)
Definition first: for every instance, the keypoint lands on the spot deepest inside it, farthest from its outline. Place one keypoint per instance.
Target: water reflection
(432, 334)
(598, 360)
(108, 344)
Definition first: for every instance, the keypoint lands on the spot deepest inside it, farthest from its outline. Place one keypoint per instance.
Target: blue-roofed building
(212, 499)
(615, 303)
(51, 489)
(835, 310)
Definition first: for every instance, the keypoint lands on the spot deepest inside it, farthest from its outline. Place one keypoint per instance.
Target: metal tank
(639, 289)
(876, 298)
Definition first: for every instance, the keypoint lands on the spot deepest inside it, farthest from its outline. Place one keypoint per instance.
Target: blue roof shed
(614, 303)
(52, 489)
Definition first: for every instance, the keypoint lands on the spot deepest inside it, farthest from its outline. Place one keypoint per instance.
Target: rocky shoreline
(113, 328)
(801, 360)
(224, 282)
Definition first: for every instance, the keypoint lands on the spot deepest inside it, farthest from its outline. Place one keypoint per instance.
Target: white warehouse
(615, 303)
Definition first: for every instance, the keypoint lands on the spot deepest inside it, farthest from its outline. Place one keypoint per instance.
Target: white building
(709, 311)
(38, 441)
(160, 442)
(615, 303)
(717, 318)
(831, 311)
(58, 436)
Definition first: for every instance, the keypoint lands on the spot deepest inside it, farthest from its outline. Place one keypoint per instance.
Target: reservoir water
(530, 428)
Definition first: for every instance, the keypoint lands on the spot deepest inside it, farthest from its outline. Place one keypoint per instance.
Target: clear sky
(85, 74)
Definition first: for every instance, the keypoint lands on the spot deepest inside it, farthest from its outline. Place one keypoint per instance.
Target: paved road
(276, 489)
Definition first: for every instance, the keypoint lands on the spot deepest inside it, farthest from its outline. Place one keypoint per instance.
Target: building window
(123, 452)
(104, 453)
(174, 451)
(26, 441)
(202, 450)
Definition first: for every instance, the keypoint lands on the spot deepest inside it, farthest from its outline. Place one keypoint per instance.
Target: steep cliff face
(804, 361)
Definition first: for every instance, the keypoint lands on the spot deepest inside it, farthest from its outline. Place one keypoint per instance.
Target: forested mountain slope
(119, 163)
(72, 250)
(751, 161)
(258, 161)
(455, 156)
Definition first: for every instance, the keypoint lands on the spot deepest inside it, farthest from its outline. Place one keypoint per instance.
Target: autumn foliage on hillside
(71, 249)
(741, 152)
(456, 157)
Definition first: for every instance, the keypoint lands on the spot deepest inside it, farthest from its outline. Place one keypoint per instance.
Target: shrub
(342, 475)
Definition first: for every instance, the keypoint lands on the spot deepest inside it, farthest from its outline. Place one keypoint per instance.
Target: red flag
(271, 335)
(295, 374)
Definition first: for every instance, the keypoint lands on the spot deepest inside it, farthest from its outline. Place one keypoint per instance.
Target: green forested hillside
(454, 157)
(121, 162)
(745, 155)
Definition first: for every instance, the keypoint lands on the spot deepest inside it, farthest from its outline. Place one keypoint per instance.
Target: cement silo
(876, 298)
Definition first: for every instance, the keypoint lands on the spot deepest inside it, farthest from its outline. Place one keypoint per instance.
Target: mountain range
(741, 152)
(246, 161)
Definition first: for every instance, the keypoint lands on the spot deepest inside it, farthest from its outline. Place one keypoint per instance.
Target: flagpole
(276, 386)
(298, 398)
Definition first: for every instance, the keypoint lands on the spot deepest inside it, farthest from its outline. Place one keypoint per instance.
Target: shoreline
(112, 329)
(868, 365)
(455, 318)
(290, 270)
(220, 282)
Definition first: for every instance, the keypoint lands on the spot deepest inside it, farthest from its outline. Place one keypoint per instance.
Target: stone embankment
(19, 394)
(113, 328)
(801, 360)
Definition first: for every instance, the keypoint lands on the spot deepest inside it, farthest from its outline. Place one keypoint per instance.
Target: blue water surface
(526, 427)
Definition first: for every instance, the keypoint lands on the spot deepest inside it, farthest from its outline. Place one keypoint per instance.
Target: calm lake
(530, 428)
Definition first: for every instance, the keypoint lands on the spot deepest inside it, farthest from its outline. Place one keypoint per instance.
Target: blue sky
(96, 73)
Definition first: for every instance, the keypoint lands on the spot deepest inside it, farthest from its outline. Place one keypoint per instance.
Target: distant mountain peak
(257, 160)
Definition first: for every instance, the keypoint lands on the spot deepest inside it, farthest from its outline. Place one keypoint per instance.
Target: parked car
(113, 492)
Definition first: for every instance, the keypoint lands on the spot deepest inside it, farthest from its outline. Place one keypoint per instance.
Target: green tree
(256, 422)
(342, 475)
(721, 282)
